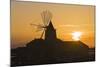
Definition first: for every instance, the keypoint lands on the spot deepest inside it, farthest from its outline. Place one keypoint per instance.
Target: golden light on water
(76, 36)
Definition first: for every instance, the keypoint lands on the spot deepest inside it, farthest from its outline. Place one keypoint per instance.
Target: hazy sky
(66, 19)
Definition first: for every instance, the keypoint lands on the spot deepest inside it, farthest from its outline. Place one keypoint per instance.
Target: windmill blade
(37, 25)
(39, 29)
(46, 17)
(43, 17)
(42, 34)
(49, 17)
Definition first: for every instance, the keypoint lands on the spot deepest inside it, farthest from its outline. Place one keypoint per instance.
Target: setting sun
(76, 36)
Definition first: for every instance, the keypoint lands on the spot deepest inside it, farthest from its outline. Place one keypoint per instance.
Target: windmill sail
(46, 17)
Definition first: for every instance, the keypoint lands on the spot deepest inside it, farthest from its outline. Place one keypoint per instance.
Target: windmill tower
(47, 27)
(50, 32)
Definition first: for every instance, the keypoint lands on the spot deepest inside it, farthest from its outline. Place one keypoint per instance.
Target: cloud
(78, 25)
(68, 25)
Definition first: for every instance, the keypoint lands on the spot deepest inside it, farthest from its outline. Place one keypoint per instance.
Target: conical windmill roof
(50, 26)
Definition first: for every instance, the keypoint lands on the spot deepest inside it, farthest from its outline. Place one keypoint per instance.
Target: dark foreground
(41, 61)
(36, 53)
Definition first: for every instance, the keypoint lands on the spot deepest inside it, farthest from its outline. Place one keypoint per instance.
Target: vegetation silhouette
(50, 50)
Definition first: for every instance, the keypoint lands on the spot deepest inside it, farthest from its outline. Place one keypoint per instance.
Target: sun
(76, 36)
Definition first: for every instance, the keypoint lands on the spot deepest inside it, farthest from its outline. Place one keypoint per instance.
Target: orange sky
(66, 19)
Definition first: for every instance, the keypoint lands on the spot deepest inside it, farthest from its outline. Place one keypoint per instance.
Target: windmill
(46, 17)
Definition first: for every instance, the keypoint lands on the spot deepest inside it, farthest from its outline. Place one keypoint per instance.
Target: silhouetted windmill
(46, 17)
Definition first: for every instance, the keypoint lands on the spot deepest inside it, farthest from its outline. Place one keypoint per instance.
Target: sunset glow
(76, 36)
(66, 19)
